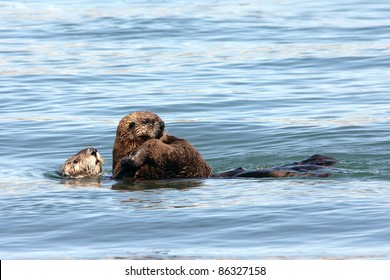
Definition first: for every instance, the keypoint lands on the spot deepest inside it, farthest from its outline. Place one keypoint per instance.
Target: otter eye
(93, 152)
(131, 125)
(144, 122)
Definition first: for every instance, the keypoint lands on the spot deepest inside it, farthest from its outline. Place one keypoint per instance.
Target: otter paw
(127, 168)
(134, 159)
(128, 161)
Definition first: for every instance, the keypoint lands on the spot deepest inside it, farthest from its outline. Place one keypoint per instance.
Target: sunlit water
(248, 83)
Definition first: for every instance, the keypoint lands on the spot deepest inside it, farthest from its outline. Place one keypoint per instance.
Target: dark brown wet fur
(142, 151)
(133, 130)
(85, 164)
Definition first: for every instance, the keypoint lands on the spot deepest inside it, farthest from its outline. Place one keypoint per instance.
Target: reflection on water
(179, 184)
(81, 182)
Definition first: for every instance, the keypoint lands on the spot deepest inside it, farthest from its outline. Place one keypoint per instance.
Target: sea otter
(132, 131)
(85, 164)
(143, 151)
(88, 164)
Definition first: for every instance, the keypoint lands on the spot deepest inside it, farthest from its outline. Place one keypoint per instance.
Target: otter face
(86, 163)
(140, 126)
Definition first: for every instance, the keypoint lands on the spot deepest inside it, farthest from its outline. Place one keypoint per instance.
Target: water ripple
(248, 83)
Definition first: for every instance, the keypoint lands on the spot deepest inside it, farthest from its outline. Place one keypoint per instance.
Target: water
(249, 83)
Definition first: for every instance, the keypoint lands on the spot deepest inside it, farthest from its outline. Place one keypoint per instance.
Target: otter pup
(169, 157)
(85, 164)
(142, 150)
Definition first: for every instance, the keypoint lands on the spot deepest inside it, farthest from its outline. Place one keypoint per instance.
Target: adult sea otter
(144, 151)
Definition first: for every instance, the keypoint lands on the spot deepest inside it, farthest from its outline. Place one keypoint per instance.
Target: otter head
(85, 164)
(140, 126)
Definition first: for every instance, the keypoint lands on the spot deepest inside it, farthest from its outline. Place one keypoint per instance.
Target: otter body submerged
(88, 164)
(144, 151)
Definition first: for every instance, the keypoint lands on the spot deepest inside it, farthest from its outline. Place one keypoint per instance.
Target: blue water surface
(248, 83)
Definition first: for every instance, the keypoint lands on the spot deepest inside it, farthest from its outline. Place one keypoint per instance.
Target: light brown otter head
(85, 164)
(132, 131)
